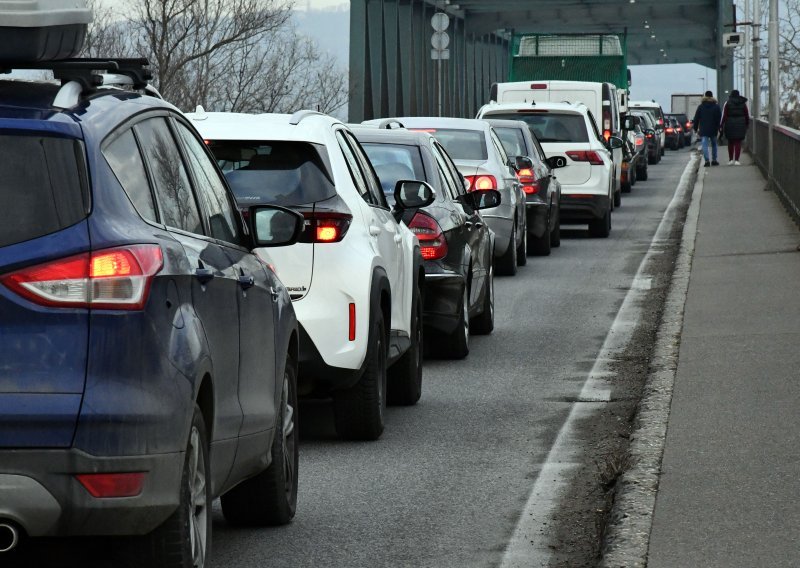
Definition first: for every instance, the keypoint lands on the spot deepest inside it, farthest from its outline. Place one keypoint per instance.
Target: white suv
(355, 277)
(569, 130)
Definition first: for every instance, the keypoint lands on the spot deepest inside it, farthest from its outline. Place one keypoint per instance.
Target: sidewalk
(729, 492)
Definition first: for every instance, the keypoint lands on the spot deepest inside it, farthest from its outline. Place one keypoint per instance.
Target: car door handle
(246, 281)
(374, 230)
(204, 275)
(398, 238)
(275, 293)
(468, 225)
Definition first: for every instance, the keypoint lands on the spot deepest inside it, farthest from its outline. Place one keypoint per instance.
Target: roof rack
(84, 70)
(301, 114)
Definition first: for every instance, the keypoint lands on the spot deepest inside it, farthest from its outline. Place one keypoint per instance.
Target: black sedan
(455, 242)
(542, 190)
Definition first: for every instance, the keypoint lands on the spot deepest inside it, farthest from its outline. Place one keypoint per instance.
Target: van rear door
(44, 326)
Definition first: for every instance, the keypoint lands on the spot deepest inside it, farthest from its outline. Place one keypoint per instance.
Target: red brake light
(649, 135)
(114, 279)
(325, 227)
(639, 141)
(607, 135)
(670, 130)
(538, 86)
(661, 122)
(432, 242)
(688, 124)
(585, 156)
(107, 485)
(481, 182)
(527, 178)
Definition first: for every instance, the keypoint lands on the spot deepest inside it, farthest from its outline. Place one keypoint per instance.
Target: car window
(513, 140)
(125, 160)
(373, 184)
(593, 123)
(461, 144)
(454, 173)
(277, 172)
(395, 162)
(210, 189)
(499, 147)
(42, 186)
(550, 126)
(355, 170)
(448, 183)
(539, 149)
(174, 195)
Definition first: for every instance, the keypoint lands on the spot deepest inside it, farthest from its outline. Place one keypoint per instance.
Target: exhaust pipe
(9, 537)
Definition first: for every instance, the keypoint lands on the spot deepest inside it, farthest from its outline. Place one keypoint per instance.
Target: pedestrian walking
(707, 121)
(735, 120)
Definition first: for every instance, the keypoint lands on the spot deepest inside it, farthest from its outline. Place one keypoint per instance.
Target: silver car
(479, 155)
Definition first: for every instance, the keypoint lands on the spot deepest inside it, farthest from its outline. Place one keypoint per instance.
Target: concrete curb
(628, 533)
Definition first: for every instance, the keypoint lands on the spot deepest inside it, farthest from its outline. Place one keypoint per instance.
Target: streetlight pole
(774, 86)
(747, 46)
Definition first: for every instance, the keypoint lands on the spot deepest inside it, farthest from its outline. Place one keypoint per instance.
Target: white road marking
(528, 546)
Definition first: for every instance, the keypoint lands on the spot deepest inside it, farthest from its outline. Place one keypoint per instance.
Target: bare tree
(228, 55)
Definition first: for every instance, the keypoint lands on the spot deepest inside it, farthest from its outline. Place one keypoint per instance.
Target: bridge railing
(786, 161)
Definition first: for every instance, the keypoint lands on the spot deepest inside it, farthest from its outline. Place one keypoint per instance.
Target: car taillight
(432, 242)
(538, 86)
(649, 135)
(112, 485)
(113, 279)
(661, 122)
(688, 124)
(481, 182)
(639, 141)
(670, 130)
(585, 156)
(530, 185)
(325, 227)
(606, 124)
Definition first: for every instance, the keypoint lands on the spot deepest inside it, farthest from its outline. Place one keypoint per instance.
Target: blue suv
(148, 358)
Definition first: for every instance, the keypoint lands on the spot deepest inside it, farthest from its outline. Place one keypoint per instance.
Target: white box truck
(685, 104)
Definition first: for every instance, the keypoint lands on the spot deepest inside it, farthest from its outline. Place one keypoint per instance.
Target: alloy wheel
(198, 516)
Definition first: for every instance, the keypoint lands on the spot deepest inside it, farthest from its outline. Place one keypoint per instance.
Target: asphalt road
(446, 483)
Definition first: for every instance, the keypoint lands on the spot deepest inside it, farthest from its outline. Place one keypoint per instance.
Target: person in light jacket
(735, 120)
(707, 119)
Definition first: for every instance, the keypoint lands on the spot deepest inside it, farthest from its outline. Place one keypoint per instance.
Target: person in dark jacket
(735, 120)
(707, 119)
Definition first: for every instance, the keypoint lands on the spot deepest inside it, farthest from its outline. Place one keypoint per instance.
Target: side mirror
(523, 163)
(556, 162)
(615, 142)
(275, 226)
(484, 198)
(649, 132)
(629, 123)
(412, 194)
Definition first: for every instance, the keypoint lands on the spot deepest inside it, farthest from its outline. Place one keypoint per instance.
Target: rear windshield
(279, 172)
(42, 186)
(461, 144)
(395, 162)
(551, 126)
(513, 140)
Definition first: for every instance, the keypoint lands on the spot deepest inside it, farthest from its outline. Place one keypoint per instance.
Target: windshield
(42, 186)
(550, 126)
(461, 144)
(395, 162)
(276, 172)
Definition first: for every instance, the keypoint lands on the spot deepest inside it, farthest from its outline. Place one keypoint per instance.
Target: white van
(602, 100)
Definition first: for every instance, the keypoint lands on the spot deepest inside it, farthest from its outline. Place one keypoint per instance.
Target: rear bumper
(583, 209)
(316, 377)
(443, 293)
(38, 491)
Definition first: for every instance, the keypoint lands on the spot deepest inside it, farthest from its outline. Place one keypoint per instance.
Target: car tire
(540, 246)
(642, 173)
(172, 545)
(404, 383)
(507, 264)
(601, 228)
(483, 323)
(457, 343)
(555, 234)
(270, 498)
(651, 158)
(618, 198)
(663, 151)
(522, 249)
(359, 411)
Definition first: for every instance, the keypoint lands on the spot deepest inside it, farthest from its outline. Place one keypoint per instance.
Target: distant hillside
(330, 28)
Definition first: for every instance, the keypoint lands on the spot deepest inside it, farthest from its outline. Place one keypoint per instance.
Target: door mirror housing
(556, 162)
(615, 142)
(629, 123)
(523, 163)
(484, 198)
(412, 194)
(273, 226)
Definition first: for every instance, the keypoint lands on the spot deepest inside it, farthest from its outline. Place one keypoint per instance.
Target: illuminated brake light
(688, 124)
(327, 227)
(639, 141)
(661, 122)
(481, 182)
(527, 178)
(607, 135)
(538, 86)
(670, 130)
(327, 234)
(585, 156)
(114, 279)
(111, 485)
(432, 242)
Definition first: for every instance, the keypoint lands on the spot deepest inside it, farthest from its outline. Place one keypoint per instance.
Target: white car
(355, 277)
(570, 131)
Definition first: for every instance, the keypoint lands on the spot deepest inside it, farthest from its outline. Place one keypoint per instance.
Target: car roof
(366, 133)
(648, 104)
(439, 122)
(268, 126)
(569, 107)
(507, 123)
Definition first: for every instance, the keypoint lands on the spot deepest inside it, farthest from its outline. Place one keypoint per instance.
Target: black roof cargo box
(42, 30)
